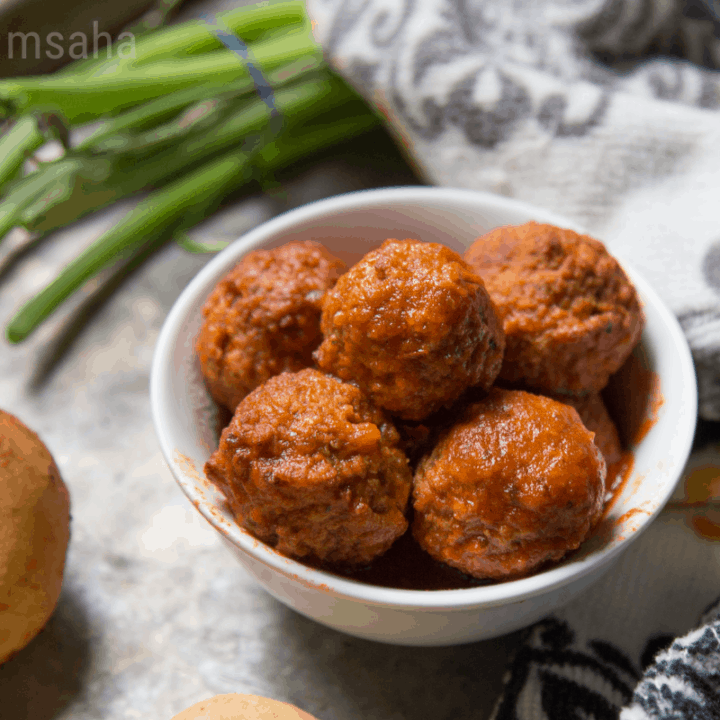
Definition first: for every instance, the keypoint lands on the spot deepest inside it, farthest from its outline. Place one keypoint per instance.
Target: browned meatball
(413, 325)
(312, 468)
(516, 482)
(596, 419)
(263, 318)
(571, 316)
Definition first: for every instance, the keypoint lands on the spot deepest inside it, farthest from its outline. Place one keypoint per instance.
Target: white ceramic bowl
(350, 225)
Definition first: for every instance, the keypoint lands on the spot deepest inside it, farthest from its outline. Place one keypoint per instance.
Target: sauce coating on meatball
(515, 483)
(263, 318)
(412, 325)
(315, 470)
(571, 316)
(596, 419)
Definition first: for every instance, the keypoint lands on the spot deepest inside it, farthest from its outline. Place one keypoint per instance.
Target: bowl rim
(503, 593)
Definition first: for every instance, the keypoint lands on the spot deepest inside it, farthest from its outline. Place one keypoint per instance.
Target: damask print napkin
(607, 111)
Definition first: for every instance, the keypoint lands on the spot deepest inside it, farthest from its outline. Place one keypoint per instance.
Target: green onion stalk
(81, 98)
(161, 212)
(252, 23)
(18, 143)
(93, 182)
(180, 121)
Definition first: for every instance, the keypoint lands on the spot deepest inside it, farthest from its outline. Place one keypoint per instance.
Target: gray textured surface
(155, 614)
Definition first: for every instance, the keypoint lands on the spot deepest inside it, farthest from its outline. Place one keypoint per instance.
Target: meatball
(312, 468)
(571, 316)
(263, 318)
(516, 482)
(413, 326)
(596, 419)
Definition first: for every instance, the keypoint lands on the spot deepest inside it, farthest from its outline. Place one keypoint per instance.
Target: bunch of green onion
(183, 117)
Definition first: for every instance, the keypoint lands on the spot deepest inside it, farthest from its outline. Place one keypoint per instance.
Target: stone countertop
(155, 613)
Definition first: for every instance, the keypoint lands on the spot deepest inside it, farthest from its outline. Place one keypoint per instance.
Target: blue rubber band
(264, 89)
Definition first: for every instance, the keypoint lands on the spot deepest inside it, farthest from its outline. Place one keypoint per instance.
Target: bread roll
(34, 534)
(235, 706)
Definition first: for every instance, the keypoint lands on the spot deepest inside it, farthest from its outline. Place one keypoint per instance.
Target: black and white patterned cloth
(606, 111)
(552, 678)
